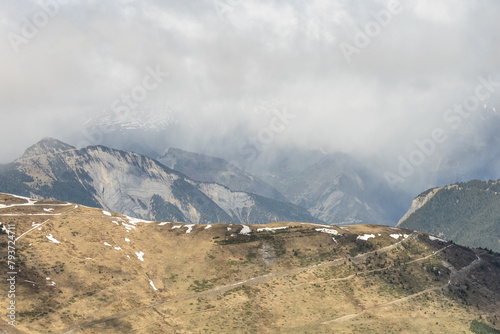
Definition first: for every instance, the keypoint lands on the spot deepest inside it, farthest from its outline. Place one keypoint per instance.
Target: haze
(232, 65)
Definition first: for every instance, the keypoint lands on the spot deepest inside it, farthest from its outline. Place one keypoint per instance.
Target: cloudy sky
(362, 77)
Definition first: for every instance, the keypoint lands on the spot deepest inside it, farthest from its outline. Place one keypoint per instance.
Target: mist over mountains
(467, 152)
(311, 186)
(226, 166)
(248, 80)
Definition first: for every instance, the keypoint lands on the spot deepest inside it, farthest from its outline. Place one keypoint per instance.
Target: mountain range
(135, 185)
(334, 187)
(181, 185)
(305, 186)
(204, 168)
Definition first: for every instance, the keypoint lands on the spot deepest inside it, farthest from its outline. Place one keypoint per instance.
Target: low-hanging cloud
(232, 64)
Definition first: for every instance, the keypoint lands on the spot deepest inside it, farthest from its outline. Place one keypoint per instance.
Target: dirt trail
(455, 275)
(251, 281)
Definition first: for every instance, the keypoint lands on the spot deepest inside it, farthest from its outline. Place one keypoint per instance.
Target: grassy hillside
(85, 270)
(468, 213)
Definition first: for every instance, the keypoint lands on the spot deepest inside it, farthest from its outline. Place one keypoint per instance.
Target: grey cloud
(224, 63)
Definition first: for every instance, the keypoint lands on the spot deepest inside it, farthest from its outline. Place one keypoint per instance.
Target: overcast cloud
(233, 63)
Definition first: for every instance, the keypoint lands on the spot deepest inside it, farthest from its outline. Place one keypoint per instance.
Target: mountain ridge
(125, 182)
(466, 212)
(204, 168)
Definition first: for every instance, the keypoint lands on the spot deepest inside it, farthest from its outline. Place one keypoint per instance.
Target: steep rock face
(419, 202)
(237, 204)
(254, 209)
(127, 182)
(203, 168)
(116, 180)
(130, 183)
(466, 212)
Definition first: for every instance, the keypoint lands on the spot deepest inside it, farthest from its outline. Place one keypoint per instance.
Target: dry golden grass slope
(85, 270)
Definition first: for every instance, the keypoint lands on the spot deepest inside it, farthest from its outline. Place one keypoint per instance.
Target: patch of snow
(272, 229)
(327, 230)
(114, 221)
(189, 228)
(48, 210)
(327, 226)
(106, 244)
(344, 228)
(176, 226)
(152, 285)
(127, 239)
(365, 237)
(164, 223)
(129, 227)
(118, 248)
(405, 236)
(245, 230)
(88, 258)
(52, 239)
(433, 238)
(47, 278)
(208, 226)
(140, 256)
(134, 221)
(396, 236)
(229, 229)
(106, 213)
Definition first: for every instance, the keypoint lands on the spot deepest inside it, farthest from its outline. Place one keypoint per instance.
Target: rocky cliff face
(419, 202)
(129, 183)
(254, 209)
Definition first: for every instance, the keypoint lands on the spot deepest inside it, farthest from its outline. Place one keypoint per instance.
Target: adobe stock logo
(453, 117)
(31, 28)
(372, 29)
